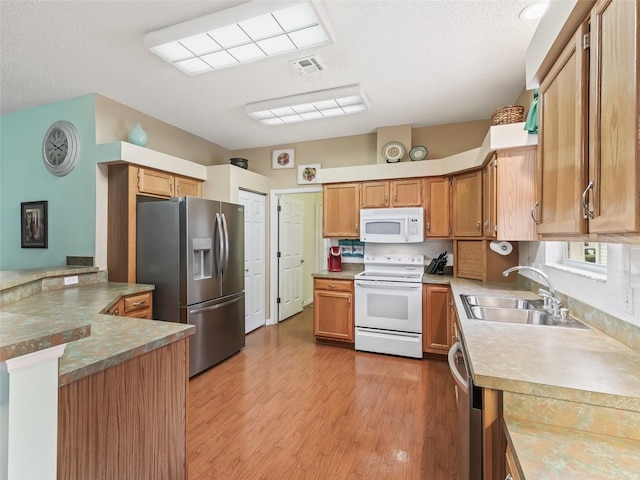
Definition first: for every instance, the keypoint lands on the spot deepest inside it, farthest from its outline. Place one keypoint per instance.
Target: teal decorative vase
(137, 135)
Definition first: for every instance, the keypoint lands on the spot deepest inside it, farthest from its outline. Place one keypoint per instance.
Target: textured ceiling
(422, 62)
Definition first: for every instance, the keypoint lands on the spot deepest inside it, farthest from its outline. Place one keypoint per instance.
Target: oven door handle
(389, 285)
(462, 384)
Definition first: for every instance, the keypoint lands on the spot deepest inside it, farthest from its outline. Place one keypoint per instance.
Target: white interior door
(254, 259)
(290, 221)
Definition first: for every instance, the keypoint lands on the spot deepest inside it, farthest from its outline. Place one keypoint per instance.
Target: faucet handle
(544, 293)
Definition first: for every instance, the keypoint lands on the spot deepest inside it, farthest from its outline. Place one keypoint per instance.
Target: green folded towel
(531, 125)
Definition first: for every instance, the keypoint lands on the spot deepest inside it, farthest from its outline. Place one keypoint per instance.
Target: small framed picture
(283, 159)
(34, 224)
(308, 173)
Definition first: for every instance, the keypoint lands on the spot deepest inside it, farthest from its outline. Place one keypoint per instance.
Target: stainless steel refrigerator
(192, 250)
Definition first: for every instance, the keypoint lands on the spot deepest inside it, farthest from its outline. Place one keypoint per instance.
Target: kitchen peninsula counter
(122, 382)
(96, 341)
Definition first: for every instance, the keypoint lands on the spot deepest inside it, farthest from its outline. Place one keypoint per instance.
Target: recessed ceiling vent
(307, 65)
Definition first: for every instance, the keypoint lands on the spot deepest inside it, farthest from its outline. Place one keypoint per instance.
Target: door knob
(302, 260)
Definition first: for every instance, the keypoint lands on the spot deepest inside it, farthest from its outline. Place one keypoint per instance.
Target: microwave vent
(307, 65)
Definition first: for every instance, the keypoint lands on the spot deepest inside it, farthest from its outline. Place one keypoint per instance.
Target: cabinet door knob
(428, 226)
(137, 304)
(508, 477)
(478, 224)
(333, 285)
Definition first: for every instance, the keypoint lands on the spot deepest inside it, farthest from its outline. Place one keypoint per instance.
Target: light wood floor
(285, 408)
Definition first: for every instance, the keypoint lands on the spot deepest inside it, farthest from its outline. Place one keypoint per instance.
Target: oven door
(387, 305)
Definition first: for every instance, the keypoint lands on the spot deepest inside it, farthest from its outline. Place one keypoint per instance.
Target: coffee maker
(335, 259)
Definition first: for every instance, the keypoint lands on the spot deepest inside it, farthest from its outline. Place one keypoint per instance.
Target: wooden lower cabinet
(127, 422)
(436, 319)
(137, 305)
(333, 309)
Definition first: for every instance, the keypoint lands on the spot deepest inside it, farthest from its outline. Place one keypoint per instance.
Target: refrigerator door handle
(214, 307)
(226, 244)
(220, 252)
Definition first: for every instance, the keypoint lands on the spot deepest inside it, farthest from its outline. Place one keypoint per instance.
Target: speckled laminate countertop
(584, 366)
(112, 339)
(12, 278)
(545, 452)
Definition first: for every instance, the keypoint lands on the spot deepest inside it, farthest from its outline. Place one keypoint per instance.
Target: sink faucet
(551, 303)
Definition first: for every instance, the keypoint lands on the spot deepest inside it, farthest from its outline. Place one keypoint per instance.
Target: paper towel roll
(503, 248)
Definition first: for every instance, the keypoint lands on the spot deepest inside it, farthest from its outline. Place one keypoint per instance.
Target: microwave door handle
(451, 357)
(406, 229)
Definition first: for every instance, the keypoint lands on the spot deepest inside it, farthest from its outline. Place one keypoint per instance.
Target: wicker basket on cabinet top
(508, 114)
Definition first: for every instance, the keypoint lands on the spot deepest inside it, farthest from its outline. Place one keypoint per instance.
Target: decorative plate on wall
(418, 153)
(393, 152)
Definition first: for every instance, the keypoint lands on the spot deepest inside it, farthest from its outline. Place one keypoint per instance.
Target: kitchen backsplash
(618, 295)
(430, 249)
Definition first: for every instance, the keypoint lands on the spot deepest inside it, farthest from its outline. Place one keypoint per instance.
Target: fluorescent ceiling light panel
(309, 106)
(244, 33)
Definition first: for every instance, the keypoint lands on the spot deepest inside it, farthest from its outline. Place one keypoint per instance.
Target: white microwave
(392, 225)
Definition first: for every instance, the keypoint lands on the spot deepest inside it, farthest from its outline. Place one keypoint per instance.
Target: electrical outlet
(628, 301)
(71, 280)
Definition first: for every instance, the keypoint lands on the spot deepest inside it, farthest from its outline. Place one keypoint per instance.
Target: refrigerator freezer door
(219, 331)
(233, 261)
(198, 249)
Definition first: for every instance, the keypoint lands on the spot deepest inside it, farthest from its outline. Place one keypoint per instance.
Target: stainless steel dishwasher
(469, 403)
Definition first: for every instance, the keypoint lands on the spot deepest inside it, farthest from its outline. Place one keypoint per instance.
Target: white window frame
(555, 258)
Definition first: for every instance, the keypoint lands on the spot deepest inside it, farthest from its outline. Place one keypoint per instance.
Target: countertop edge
(79, 373)
(43, 342)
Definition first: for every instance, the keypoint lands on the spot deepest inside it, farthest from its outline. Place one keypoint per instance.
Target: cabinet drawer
(329, 284)
(136, 302)
(144, 313)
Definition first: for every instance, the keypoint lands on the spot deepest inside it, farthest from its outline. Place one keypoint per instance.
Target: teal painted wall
(23, 178)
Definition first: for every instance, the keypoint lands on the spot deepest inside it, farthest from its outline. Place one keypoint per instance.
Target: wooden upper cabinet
(126, 183)
(614, 133)
(374, 195)
(466, 209)
(155, 183)
(341, 210)
(187, 187)
(406, 193)
(513, 196)
(436, 207)
(393, 193)
(489, 199)
(562, 140)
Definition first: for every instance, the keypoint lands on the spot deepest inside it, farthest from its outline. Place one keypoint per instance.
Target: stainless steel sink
(512, 315)
(514, 310)
(502, 302)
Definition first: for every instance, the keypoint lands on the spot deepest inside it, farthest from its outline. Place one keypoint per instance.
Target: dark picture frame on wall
(34, 224)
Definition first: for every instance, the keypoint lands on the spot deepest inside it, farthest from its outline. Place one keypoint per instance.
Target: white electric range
(388, 305)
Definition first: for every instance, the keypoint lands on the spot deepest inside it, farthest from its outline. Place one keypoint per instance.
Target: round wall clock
(61, 148)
